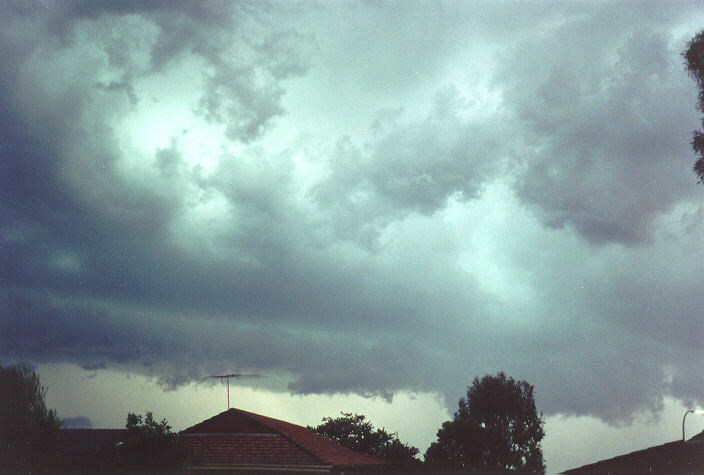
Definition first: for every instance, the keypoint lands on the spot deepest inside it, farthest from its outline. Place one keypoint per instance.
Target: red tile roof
(242, 437)
(673, 458)
(256, 449)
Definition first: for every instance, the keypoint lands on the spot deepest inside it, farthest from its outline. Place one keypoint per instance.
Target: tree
(694, 62)
(496, 428)
(29, 431)
(150, 444)
(355, 432)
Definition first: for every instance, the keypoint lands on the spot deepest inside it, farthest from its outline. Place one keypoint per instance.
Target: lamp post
(694, 411)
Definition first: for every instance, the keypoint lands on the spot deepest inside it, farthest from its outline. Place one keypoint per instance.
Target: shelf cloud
(359, 198)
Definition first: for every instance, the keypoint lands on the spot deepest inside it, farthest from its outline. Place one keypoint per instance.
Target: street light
(695, 411)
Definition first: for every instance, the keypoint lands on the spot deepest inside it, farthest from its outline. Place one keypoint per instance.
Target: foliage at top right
(694, 62)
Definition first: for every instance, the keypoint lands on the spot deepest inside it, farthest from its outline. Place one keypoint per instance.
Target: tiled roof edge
(265, 420)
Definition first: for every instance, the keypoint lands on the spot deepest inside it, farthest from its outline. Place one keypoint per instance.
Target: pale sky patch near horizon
(359, 199)
(104, 397)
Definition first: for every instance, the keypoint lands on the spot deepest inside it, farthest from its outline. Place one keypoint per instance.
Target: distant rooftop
(679, 457)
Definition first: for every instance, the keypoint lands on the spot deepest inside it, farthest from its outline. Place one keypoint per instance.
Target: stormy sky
(356, 198)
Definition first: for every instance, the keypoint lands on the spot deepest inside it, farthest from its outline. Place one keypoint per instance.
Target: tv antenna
(233, 375)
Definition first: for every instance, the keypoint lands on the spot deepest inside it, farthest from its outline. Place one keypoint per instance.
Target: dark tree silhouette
(694, 62)
(150, 445)
(355, 432)
(495, 428)
(29, 431)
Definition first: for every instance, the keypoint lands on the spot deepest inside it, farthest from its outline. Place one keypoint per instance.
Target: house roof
(250, 449)
(241, 437)
(674, 457)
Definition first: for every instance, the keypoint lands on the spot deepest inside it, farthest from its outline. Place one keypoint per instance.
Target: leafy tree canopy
(150, 444)
(694, 62)
(28, 430)
(355, 432)
(495, 428)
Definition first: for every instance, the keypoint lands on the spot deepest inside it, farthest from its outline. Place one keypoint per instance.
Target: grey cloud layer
(607, 112)
(545, 231)
(414, 167)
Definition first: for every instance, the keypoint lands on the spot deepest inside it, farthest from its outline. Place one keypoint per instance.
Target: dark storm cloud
(395, 261)
(176, 348)
(410, 166)
(605, 111)
(60, 179)
(61, 192)
(623, 331)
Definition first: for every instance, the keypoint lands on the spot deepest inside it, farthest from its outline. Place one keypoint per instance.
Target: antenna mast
(233, 375)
